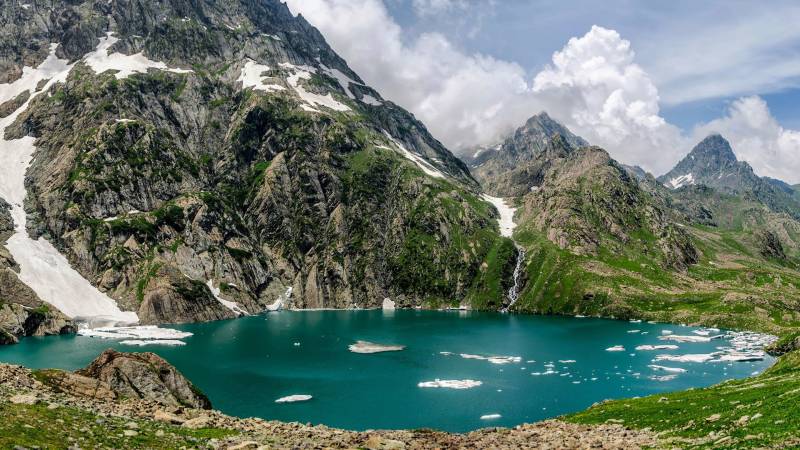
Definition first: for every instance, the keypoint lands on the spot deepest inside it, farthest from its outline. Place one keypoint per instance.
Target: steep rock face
(713, 163)
(22, 313)
(259, 168)
(587, 203)
(144, 376)
(514, 166)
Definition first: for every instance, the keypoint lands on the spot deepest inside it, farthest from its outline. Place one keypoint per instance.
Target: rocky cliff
(201, 160)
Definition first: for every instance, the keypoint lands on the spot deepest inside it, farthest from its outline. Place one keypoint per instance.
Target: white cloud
(756, 137)
(593, 85)
(434, 7)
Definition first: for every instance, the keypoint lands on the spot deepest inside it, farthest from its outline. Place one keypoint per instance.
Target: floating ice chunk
(148, 332)
(693, 358)
(493, 359)
(666, 369)
(656, 347)
(450, 384)
(663, 377)
(294, 398)
(679, 338)
(142, 343)
(507, 224)
(101, 60)
(741, 357)
(370, 347)
(634, 331)
(566, 361)
(252, 77)
(635, 321)
(490, 416)
(666, 332)
(616, 348)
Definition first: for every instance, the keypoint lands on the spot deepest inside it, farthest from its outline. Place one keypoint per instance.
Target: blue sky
(529, 31)
(646, 80)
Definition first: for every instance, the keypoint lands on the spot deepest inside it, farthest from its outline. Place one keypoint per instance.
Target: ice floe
(689, 358)
(680, 338)
(142, 343)
(567, 361)
(371, 347)
(616, 348)
(656, 347)
(143, 332)
(294, 398)
(667, 369)
(490, 416)
(450, 384)
(663, 377)
(493, 359)
(507, 224)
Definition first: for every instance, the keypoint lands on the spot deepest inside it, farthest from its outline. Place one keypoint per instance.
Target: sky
(646, 80)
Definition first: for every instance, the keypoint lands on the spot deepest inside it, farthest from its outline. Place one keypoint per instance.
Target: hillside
(197, 161)
(605, 239)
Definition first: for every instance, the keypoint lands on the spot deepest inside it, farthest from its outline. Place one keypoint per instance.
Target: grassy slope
(36, 426)
(753, 412)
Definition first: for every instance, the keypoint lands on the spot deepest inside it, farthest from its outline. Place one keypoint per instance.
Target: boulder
(146, 376)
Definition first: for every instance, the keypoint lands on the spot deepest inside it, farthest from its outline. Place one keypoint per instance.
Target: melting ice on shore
(294, 398)
(450, 384)
(370, 347)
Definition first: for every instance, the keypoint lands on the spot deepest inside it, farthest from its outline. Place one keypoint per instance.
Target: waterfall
(513, 291)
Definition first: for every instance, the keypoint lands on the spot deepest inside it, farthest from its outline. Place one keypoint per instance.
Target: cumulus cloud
(593, 85)
(758, 138)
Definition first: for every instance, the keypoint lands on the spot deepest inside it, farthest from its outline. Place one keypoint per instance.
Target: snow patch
(281, 301)
(450, 384)
(507, 224)
(388, 304)
(370, 100)
(426, 167)
(42, 267)
(252, 77)
(233, 306)
(312, 99)
(683, 180)
(101, 60)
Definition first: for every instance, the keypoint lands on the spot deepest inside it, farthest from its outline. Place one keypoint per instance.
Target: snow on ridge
(46, 271)
(101, 60)
(233, 306)
(426, 167)
(683, 180)
(251, 77)
(507, 224)
(311, 99)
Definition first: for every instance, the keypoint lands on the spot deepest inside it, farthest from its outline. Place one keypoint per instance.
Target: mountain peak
(716, 147)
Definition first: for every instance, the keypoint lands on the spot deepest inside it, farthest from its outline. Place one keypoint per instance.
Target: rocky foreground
(124, 400)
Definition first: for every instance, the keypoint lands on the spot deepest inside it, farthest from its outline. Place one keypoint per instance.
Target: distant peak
(714, 146)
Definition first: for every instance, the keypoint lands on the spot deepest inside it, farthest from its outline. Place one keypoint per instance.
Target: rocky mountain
(603, 238)
(713, 163)
(195, 161)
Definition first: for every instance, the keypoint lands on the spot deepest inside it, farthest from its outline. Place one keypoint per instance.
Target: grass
(755, 412)
(36, 426)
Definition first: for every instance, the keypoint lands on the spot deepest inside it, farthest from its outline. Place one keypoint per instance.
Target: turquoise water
(244, 365)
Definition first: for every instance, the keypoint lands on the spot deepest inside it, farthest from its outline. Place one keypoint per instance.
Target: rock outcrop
(145, 376)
